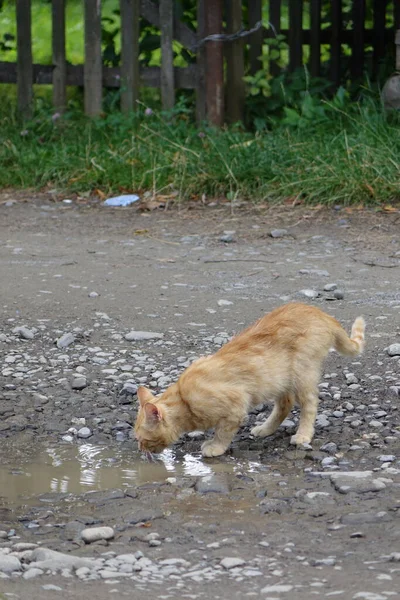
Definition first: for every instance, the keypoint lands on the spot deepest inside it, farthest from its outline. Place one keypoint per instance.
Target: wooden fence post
(275, 24)
(336, 47)
(235, 88)
(130, 30)
(201, 107)
(215, 63)
(59, 62)
(379, 9)
(295, 34)
(24, 59)
(357, 51)
(315, 41)
(167, 55)
(255, 40)
(396, 15)
(93, 60)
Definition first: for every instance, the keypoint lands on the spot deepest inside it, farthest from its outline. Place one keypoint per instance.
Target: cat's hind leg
(282, 408)
(225, 431)
(308, 401)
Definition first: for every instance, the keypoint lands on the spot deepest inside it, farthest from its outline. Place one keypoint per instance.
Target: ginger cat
(277, 359)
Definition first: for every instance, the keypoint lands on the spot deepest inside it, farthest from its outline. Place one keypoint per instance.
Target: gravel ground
(96, 301)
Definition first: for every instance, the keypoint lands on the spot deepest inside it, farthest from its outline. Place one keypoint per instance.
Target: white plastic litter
(122, 200)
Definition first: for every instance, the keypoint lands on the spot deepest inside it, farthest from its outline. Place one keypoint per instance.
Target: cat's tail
(353, 345)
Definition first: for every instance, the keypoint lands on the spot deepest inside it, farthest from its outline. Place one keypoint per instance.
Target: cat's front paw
(300, 440)
(261, 431)
(211, 448)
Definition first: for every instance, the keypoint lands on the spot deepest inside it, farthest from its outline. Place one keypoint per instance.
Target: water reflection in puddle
(87, 467)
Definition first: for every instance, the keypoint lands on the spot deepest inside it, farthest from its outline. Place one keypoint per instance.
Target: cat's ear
(144, 395)
(153, 413)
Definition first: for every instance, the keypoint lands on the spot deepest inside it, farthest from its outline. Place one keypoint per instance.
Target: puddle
(87, 467)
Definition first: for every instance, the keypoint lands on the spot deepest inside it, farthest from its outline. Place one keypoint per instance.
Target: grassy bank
(349, 158)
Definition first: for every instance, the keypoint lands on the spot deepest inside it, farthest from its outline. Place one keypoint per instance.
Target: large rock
(94, 534)
(394, 350)
(8, 563)
(43, 558)
(140, 336)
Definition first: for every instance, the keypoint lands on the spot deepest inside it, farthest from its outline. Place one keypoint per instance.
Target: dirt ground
(321, 521)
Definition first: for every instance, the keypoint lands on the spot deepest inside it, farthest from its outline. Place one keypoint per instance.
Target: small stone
(93, 295)
(277, 589)
(24, 333)
(329, 460)
(224, 302)
(394, 557)
(129, 559)
(154, 543)
(79, 383)
(140, 336)
(330, 287)
(311, 294)
(394, 349)
(338, 294)
(51, 588)
(322, 421)
(93, 534)
(375, 424)
(231, 563)
(323, 562)
(386, 458)
(368, 596)
(357, 534)
(329, 447)
(227, 237)
(351, 378)
(217, 484)
(196, 435)
(65, 340)
(84, 433)
(278, 233)
(32, 573)
(128, 389)
(317, 272)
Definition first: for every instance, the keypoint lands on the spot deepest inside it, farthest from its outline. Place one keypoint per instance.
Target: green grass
(352, 158)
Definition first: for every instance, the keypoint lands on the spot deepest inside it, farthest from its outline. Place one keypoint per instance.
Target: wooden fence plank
(201, 106)
(275, 23)
(255, 40)
(235, 87)
(24, 59)
(396, 11)
(150, 11)
(346, 36)
(315, 34)
(357, 55)
(336, 41)
(59, 61)
(186, 78)
(379, 8)
(295, 34)
(214, 63)
(167, 56)
(93, 59)
(130, 21)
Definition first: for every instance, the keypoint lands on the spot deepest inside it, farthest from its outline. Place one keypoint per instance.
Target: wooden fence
(220, 92)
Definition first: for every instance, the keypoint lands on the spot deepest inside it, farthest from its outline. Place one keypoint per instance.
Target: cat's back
(285, 327)
(294, 319)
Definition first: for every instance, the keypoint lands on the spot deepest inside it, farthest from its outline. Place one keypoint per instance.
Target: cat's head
(152, 430)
